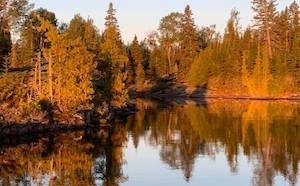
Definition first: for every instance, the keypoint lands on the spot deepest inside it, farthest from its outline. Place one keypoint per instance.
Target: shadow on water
(265, 133)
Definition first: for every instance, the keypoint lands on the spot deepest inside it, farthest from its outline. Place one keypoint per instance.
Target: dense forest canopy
(74, 65)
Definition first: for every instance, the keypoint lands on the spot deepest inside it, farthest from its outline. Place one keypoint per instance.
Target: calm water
(206, 143)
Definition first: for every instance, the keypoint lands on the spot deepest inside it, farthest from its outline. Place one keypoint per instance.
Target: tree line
(73, 65)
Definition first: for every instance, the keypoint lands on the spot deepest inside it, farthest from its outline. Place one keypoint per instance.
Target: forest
(73, 66)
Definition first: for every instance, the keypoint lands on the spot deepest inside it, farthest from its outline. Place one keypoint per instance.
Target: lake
(212, 142)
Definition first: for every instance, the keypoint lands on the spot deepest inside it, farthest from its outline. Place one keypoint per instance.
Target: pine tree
(76, 28)
(31, 40)
(137, 62)
(188, 42)
(91, 37)
(232, 51)
(114, 55)
(264, 20)
(130, 68)
(70, 68)
(198, 75)
(154, 60)
(140, 76)
(282, 32)
(87, 32)
(256, 77)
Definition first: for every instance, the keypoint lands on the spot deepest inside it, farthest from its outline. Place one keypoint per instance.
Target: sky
(139, 17)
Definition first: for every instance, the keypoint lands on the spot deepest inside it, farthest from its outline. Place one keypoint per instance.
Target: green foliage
(31, 38)
(198, 75)
(189, 43)
(72, 69)
(119, 92)
(113, 55)
(13, 87)
(72, 66)
(140, 76)
(136, 64)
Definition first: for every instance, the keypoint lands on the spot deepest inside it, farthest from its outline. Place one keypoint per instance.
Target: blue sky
(142, 16)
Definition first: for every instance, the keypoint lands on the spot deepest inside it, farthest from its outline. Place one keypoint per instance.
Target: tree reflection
(63, 160)
(266, 132)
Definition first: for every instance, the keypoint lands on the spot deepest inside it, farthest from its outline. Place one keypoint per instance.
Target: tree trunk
(267, 27)
(169, 59)
(287, 40)
(40, 73)
(6, 59)
(35, 77)
(50, 78)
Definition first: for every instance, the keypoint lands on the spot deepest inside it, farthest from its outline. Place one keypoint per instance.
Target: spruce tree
(114, 55)
(188, 42)
(232, 51)
(140, 76)
(137, 59)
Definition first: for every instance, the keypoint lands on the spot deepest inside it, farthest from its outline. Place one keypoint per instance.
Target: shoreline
(91, 119)
(170, 91)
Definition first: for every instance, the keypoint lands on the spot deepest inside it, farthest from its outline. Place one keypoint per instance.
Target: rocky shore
(101, 117)
(166, 89)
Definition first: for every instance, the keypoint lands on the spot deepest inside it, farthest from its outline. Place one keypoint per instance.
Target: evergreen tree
(70, 68)
(188, 42)
(137, 63)
(232, 51)
(154, 60)
(198, 75)
(140, 76)
(114, 55)
(294, 56)
(264, 20)
(86, 31)
(32, 40)
(91, 37)
(76, 28)
(137, 58)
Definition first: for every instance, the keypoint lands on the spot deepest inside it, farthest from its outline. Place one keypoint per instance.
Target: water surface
(197, 143)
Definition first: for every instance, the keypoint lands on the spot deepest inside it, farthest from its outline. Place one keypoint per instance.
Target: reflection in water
(266, 133)
(64, 160)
